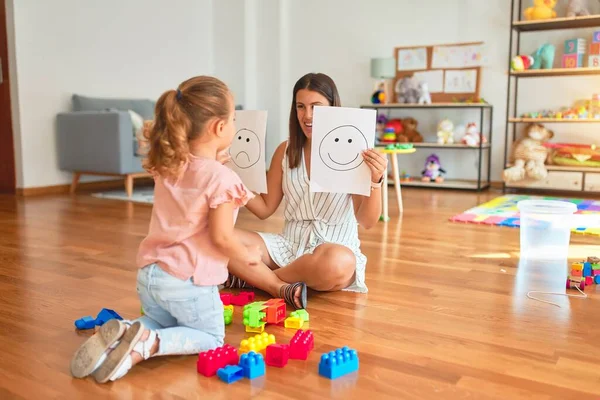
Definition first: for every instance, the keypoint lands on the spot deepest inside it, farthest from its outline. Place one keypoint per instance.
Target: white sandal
(142, 348)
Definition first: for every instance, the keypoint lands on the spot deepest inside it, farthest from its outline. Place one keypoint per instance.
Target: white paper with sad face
(247, 149)
(339, 137)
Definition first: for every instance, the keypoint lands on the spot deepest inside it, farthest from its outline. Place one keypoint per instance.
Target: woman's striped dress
(312, 219)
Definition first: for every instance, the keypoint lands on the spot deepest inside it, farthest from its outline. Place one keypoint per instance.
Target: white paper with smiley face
(247, 150)
(339, 137)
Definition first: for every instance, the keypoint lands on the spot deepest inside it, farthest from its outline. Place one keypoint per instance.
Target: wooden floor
(446, 316)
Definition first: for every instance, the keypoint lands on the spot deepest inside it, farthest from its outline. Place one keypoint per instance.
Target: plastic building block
(577, 267)
(589, 280)
(253, 365)
(242, 299)
(338, 363)
(230, 373)
(576, 272)
(210, 361)
(587, 269)
(85, 323)
(594, 49)
(595, 272)
(595, 266)
(277, 355)
(572, 61)
(256, 329)
(575, 46)
(106, 315)
(294, 322)
(226, 299)
(302, 314)
(256, 343)
(275, 311)
(597, 279)
(253, 316)
(228, 314)
(301, 345)
(594, 60)
(596, 37)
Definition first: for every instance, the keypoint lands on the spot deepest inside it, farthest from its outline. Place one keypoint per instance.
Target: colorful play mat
(503, 211)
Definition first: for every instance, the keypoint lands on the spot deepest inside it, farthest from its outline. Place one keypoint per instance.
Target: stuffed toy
(543, 58)
(381, 121)
(577, 8)
(542, 9)
(411, 135)
(529, 155)
(407, 90)
(433, 170)
(472, 136)
(424, 95)
(445, 132)
(521, 63)
(379, 96)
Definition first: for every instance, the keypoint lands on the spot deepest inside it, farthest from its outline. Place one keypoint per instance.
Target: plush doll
(521, 63)
(445, 132)
(529, 155)
(472, 136)
(542, 9)
(543, 58)
(577, 8)
(424, 95)
(379, 96)
(407, 90)
(433, 170)
(410, 131)
(381, 121)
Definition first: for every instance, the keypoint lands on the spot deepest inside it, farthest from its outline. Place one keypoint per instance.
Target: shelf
(447, 184)
(553, 120)
(458, 146)
(589, 21)
(530, 73)
(569, 169)
(434, 105)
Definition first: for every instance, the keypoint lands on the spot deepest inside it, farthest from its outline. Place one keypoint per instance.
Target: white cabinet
(592, 182)
(556, 180)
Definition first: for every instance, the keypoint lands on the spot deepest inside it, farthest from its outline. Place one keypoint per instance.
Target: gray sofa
(97, 138)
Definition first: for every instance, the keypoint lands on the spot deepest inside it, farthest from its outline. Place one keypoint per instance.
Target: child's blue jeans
(187, 318)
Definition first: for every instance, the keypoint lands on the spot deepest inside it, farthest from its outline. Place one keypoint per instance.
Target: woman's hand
(223, 156)
(376, 163)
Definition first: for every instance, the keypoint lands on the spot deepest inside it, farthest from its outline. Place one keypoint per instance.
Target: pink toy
(242, 299)
(301, 345)
(472, 136)
(277, 355)
(210, 361)
(226, 299)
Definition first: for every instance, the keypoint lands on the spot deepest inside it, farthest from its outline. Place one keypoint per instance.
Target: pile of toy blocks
(594, 54)
(585, 273)
(259, 313)
(574, 53)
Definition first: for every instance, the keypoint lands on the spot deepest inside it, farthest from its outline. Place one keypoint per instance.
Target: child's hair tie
(179, 95)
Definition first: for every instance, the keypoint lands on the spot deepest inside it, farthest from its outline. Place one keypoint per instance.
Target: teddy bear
(445, 132)
(410, 134)
(529, 155)
(407, 90)
(424, 95)
(577, 8)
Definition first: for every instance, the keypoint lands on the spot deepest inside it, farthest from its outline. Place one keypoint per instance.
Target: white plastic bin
(546, 229)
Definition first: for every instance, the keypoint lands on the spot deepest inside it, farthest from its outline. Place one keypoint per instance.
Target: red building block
(275, 311)
(277, 355)
(210, 361)
(226, 299)
(576, 273)
(301, 344)
(242, 299)
(589, 280)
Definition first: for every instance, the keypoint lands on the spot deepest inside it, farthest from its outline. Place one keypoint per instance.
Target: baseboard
(82, 187)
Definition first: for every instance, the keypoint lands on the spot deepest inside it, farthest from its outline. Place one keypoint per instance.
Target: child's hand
(254, 256)
(223, 156)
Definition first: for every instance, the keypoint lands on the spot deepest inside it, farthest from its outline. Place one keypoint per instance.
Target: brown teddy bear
(529, 155)
(410, 134)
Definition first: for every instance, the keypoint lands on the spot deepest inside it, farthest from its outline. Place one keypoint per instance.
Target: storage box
(575, 46)
(572, 61)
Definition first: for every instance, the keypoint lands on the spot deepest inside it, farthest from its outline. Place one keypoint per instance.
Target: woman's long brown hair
(321, 84)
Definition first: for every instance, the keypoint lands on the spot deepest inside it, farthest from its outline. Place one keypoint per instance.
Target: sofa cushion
(143, 107)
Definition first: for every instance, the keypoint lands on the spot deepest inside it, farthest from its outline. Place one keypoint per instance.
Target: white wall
(134, 48)
(228, 34)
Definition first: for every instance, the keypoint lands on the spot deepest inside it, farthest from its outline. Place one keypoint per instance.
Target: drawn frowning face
(245, 148)
(341, 149)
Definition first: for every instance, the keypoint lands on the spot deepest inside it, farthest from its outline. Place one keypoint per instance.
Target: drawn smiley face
(245, 148)
(341, 149)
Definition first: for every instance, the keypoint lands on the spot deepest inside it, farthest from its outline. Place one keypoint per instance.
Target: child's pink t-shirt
(178, 239)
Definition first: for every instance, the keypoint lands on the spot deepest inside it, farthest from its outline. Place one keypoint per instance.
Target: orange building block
(594, 49)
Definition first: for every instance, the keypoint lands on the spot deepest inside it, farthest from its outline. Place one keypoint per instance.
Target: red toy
(242, 299)
(277, 355)
(301, 344)
(226, 299)
(275, 311)
(396, 125)
(210, 361)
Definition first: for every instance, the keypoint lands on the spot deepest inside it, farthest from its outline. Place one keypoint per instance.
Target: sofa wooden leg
(129, 185)
(75, 181)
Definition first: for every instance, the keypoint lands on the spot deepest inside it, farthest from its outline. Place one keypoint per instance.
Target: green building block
(228, 316)
(302, 314)
(253, 316)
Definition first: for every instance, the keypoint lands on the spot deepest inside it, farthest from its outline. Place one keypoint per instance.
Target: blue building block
(230, 374)
(587, 269)
(106, 315)
(338, 363)
(597, 279)
(85, 323)
(253, 365)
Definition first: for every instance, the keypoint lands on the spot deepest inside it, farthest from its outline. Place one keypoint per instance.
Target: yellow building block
(256, 343)
(257, 329)
(294, 322)
(577, 266)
